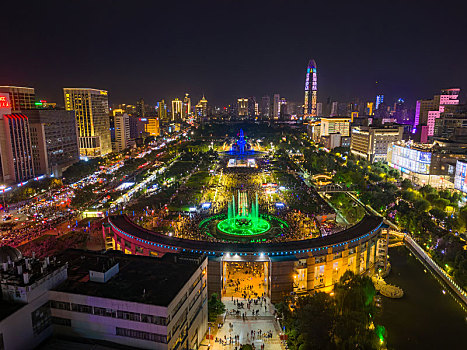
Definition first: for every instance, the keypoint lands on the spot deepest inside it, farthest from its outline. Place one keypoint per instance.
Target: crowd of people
(251, 337)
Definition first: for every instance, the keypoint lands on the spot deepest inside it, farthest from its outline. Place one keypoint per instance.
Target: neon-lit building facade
(316, 263)
(379, 100)
(460, 179)
(311, 90)
(428, 111)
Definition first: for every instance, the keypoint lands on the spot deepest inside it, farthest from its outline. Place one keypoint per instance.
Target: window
(99, 311)
(41, 319)
(133, 333)
(61, 321)
(81, 308)
(125, 315)
(110, 313)
(320, 259)
(162, 321)
(61, 305)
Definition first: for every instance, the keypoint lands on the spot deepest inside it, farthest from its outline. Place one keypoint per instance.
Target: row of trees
(342, 320)
(435, 218)
(32, 189)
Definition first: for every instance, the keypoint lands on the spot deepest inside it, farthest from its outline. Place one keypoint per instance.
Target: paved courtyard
(256, 330)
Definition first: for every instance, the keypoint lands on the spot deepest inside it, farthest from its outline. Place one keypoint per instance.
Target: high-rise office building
(242, 107)
(140, 108)
(276, 106)
(122, 131)
(20, 97)
(162, 111)
(379, 100)
(265, 107)
(177, 107)
(54, 140)
(283, 113)
(128, 109)
(186, 107)
(16, 158)
(253, 110)
(311, 90)
(202, 108)
(137, 126)
(91, 107)
(319, 109)
(427, 111)
(372, 143)
(334, 109)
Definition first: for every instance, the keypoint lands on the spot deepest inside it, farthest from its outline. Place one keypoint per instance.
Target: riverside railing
(438, 270)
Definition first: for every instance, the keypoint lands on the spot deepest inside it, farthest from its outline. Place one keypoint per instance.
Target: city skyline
(161, 62)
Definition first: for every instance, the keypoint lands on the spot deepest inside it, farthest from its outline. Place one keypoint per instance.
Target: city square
(223, 175)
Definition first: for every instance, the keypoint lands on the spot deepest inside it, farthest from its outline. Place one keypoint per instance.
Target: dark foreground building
(111, 298)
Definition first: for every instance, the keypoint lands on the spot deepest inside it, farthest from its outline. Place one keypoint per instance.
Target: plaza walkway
(260, 330)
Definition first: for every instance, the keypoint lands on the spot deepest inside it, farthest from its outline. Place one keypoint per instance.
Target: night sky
(228, 49)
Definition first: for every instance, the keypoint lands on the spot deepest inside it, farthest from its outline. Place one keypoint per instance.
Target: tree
(441, 203)
(422, 205)
(314, 316)
(406, 184)
(431, 197)
(215, 307)
(409, 195)
(463, 216)
(438, 213)
(320, 321)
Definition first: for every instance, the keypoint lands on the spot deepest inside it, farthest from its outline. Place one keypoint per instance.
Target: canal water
(425, 318)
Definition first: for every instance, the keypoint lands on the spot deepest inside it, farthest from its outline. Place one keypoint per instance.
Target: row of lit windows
(99, 311)
(133, 333)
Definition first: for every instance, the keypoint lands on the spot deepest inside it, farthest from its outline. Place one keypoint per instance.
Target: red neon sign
(4, 103)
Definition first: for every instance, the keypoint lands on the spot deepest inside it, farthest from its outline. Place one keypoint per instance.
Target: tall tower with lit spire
(311, 90)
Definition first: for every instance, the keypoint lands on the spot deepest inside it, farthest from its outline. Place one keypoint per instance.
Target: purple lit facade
(311, 90)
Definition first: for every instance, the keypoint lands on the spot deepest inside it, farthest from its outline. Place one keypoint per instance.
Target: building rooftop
(9, 254)
(141, 279)
(8, 308)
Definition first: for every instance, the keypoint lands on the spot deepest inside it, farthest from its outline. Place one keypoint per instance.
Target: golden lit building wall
(177, 107)
(91, 107)
(152, 127)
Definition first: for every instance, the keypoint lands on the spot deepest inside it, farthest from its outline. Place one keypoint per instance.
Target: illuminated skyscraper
(122, 131)
(140, 108)
(265, 107)
(427, 111)
(186, 106)
(311, 90)
(162, 111)
(177, 107)
(379, 100)
(276, 106)
(253, 110)
(242, 107)
(20, 97)
(283, 108)
(16, 157)
(202, 108)
(91, 108)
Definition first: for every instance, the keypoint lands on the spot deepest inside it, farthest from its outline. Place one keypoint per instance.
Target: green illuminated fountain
(243, 219)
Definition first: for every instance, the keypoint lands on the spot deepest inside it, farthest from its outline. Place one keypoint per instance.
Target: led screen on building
(408, 159)
(460, 178)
